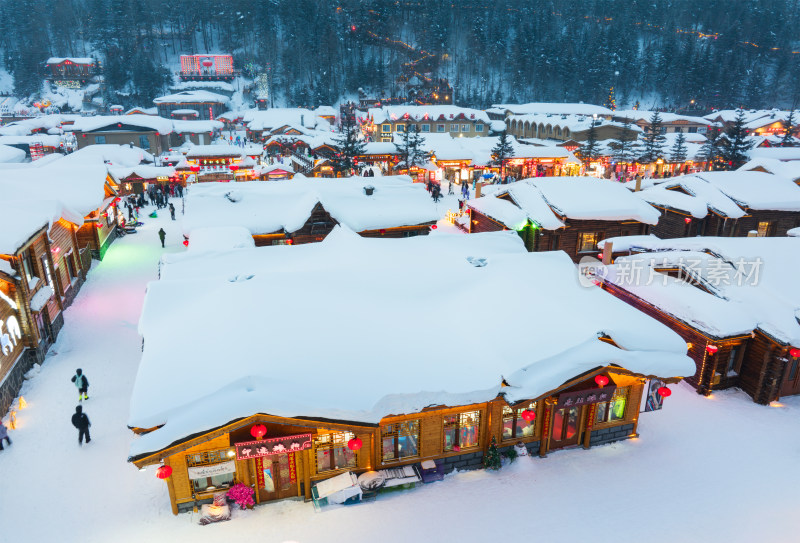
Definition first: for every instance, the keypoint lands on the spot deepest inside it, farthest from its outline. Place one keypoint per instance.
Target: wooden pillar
(587, 434)
(544, 444)
(255, 475)
(171, 490)
(307, 463)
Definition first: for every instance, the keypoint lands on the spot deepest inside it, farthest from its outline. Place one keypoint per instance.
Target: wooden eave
(193, 440)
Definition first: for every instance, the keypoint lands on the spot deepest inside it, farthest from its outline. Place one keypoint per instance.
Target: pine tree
(491, 460)
(590, 150)
(625, 146)
(653, 140)
(789, 127)
(502, 152)
(411, 149)
(348, 146)
(679, 151)
(710, 151)
(735, 152)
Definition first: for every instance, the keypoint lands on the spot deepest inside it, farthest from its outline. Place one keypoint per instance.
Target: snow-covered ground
(717, 470)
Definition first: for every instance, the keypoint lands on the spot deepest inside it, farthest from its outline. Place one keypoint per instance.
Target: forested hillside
(719, 53)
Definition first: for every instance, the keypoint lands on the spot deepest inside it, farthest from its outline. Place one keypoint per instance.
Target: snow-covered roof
(575, 123)
(201, 85)
(99, 122)
(753, 283)
(729, 115)
(22, 218)
(270, 119)
(220, 239)
(184, 112)
(142, 111)
(144, 171)
(794, 232)
(585, 198)
(274, 206)
(192, 97)
(666, 117)
(110, 154)
(378, 290)
(788, 169)
(327, 111)
(380, 148)
(222, 149)
(692, 195)
(195, 126)
(777, 153)
(423, 113)
(756, 190)
(74, 60)
(45, 139)
(11, 154)
(478, 151)
(552, 108)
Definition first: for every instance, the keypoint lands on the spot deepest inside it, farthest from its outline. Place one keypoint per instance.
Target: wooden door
(280, 477)
(791, 378)
(565, 431)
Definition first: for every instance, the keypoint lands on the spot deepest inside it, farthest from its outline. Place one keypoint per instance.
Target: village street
(698, 451)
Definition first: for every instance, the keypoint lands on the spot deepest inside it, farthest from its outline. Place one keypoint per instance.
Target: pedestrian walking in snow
(3, 435)
(449, 187)
(465, 191)
(172, 211)
(82, 383)
(81, 422)
(130, 213)
(162, 236)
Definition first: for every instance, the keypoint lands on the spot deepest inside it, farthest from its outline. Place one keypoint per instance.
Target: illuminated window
(386, 128)
(462, 431)
(400, 440)
(587, 241)
(331, 451)
(465, 128)
(764, 228)
(47, 277)
(514, 426)
(615, 409)
(27, 266)
(209, 458)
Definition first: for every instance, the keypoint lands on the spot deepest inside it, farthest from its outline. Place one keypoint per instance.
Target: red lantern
(687, 220)
(456, 448)
(712, 349)
(258, 431)
(528, 415)
(601, 380)
(794, 352)
(434, 227)
(383, 231)
(163, 472)
(207, 62)
(98, 225)
(233, 167)
(194, 168)
(186, 243)
(664, 392)
(354, 444)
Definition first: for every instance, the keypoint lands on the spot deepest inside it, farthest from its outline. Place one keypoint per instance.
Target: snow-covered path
(715, 470)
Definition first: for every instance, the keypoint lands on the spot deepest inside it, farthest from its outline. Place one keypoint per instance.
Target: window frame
(144, 140)
(478, 127)
(605, 416)
(581, 243)
(734, 363)
(400, 128)
(99, 140)
(766, 230)
(441, 128)
(48, 276)
(454, 127)
(386, 128)
(514, 415)
(465, 128)
(330, 441)
(457, 426)
(425, 127)
(209, 458)
(396, 430)
(27, 265)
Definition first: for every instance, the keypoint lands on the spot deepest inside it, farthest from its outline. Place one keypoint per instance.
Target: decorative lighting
(601, 380)
(434, 227)
(794, 352)
(712, 349)
(687, 220)
(22, 403)
(528, 415)
(664, 392)
(163, 472)
(354, 444)
(186, 243)
(258, 431)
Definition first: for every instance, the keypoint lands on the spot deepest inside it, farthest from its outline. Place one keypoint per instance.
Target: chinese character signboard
(586, 397)
(278, 445)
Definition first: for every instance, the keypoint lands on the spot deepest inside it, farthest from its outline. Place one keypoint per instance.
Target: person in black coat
(172, 210)
(82, 383)
(162, 235)
(81, 422)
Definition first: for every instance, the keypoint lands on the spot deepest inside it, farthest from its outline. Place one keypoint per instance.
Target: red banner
(277, 445)
(292, 469)
(260, 472)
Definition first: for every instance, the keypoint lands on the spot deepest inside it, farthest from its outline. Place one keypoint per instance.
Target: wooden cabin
(135, 180)
(209, 105)
(570, 214)
(734, 338)
(72, 69)
(39, 278)
(536, 394)
(147, 132)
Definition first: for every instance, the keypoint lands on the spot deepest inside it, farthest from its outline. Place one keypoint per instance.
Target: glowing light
(601, 380)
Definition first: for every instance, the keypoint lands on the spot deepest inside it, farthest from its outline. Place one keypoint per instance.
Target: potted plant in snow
(242, 495)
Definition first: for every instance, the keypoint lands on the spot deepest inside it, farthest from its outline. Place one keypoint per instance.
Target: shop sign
(201, 472)
(278, 445)
(586, 397)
